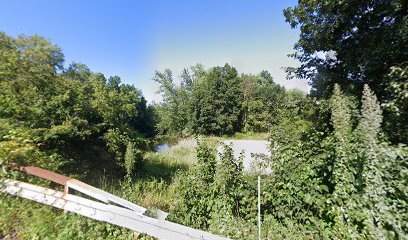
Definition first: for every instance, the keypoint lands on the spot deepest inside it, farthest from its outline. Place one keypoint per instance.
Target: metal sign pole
(259, 207)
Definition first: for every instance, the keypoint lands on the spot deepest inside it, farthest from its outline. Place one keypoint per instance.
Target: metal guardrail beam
(123, 213)
(42, 173)
(102, 195)
(119, 216)
(81, 187)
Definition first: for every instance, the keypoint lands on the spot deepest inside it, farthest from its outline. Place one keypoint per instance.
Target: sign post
(259, 207)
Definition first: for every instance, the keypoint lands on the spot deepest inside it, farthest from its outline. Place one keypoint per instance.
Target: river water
(162, 147)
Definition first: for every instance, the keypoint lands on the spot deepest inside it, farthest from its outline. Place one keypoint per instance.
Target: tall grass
(154, 183)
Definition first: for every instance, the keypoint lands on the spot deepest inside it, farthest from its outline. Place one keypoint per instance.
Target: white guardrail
(123, 213)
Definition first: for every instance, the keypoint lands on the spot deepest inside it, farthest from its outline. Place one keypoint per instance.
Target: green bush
(214, 195)
(344, 184)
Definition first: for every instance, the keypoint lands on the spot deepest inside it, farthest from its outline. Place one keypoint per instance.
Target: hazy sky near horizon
(132, 39)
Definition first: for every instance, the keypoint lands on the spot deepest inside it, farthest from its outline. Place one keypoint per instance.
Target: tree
(28, 64)
(262, 100)
(73, 112)
(173, 111)
(360, 40)
(248, 88)
(396, 103)
(78, 71)
(351, 43)
(205, 102)
(217, 101)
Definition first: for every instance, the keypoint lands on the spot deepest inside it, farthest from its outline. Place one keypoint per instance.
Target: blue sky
(131, 39)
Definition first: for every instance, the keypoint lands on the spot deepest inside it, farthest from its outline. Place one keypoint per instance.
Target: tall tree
(217, 102)
(173, 112)
(262, 99)
(351, 43)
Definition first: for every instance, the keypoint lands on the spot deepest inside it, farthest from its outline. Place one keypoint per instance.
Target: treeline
(52, 116)
(219, 101)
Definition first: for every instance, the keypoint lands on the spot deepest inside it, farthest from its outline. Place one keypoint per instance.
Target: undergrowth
(152, 186)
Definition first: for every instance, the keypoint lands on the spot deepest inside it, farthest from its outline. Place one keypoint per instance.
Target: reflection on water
(162, 147)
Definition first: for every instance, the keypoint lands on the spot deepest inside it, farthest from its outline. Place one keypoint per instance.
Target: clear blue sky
(131, 39)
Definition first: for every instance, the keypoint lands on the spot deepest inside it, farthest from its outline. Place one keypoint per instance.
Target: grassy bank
(154, 185)
(247, 136)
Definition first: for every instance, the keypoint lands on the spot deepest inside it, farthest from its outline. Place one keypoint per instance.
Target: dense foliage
(71, 119)
(353, 43)
(218, 101)
(344, 184)
(221, 199)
